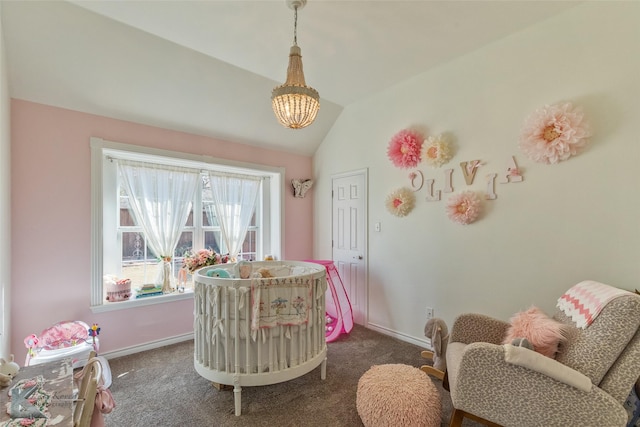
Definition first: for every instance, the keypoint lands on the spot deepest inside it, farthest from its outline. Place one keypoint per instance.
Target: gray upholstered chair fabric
(483, 385)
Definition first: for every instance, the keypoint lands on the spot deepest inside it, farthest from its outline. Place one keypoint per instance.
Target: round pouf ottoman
(398, 395)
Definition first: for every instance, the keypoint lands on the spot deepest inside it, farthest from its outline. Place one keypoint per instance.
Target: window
(120, 245)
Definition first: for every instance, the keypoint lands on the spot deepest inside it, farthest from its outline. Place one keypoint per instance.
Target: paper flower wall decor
(404, 148)
(401, 201)
(464, 207)
(554, 133)
(437, 151)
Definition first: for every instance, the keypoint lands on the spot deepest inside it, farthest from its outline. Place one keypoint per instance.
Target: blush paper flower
(401, 201)
(404, 148)
(463, 208)
(437, 151)
(554, 133)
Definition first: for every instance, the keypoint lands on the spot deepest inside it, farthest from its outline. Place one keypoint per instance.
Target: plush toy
(264, 272)
(219, 272)
(522, 342)
(244, 269)
(436, 330)
(8, 370)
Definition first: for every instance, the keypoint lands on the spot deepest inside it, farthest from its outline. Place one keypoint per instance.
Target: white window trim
(98, 148)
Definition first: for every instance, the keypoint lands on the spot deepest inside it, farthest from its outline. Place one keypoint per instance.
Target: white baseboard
(147, 346)
(422, 342)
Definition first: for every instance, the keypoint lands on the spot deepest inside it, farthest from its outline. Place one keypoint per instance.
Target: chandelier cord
(295, 26)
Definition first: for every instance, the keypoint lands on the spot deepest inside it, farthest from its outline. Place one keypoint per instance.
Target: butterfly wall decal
(301, 186)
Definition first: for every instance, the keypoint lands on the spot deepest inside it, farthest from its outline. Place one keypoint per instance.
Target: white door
(349, 216)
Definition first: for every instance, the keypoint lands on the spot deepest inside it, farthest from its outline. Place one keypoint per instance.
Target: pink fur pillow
(544, 333)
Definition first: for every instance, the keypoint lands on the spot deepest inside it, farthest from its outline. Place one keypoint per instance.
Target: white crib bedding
(267, 353)
(232, 347)
(264, 346)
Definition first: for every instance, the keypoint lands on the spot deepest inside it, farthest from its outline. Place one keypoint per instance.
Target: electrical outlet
(429, 313)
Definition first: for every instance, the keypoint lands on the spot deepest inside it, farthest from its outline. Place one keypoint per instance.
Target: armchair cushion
(534, 361)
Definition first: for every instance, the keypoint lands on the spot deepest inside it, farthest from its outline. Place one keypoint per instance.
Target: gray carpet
(161, 388)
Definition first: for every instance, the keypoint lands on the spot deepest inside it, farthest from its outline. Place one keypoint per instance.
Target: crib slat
(208, 312)
(258, 344)
(281, 361)
(217, 313)
(313, 336)
(227, 336)
(236, 328)
(247, 331)
(270, 338)
(203, 325)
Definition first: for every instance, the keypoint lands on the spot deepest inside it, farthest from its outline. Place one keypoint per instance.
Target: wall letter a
(513, 173)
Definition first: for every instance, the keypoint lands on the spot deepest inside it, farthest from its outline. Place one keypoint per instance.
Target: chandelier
(294, 103)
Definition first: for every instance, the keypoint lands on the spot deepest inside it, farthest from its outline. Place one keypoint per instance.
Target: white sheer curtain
(160, 198)
(234, 200)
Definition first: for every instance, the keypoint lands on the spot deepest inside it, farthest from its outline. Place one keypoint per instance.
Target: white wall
(5, 201)
(576, 220)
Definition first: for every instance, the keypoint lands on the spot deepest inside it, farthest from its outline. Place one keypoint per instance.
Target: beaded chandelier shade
(294, 103)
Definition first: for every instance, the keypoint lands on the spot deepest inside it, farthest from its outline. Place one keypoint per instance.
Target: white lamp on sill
(294, 103)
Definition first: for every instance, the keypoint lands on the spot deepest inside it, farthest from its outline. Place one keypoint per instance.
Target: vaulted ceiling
(208, 67)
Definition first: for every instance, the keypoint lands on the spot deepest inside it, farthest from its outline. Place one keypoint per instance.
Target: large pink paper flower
(463, 208)
(554, 133)
(404, 148)
(401, 201)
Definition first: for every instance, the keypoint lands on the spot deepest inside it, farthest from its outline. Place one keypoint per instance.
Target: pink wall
(51, 223)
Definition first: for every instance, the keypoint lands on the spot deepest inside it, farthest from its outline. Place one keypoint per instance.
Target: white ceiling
(208, 67)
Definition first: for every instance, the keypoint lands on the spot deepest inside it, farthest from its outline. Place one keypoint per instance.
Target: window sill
(160, 299)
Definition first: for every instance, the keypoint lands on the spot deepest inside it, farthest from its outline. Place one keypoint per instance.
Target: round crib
(260, 330)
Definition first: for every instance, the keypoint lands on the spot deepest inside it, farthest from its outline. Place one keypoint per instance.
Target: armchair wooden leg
(456, 418)
(458, 415)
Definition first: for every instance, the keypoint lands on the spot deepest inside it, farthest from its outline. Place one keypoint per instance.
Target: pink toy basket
(338, 307)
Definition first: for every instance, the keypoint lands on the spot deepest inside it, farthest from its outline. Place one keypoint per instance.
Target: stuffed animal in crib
(243, 269)
(218, 272)
(8, 370)
(264, 273)
(436, 330)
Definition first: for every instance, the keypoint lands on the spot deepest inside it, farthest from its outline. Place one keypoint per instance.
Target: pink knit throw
(584, 301)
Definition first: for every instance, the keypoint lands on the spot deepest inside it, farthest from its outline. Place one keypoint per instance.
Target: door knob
(358, 257)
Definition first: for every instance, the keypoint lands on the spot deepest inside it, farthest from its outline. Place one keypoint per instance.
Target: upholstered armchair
(585, 385)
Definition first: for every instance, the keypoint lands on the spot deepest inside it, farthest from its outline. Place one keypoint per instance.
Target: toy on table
(93, 332)
(8, 370)
(65, 339)
(436, 330)
(31, 342)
